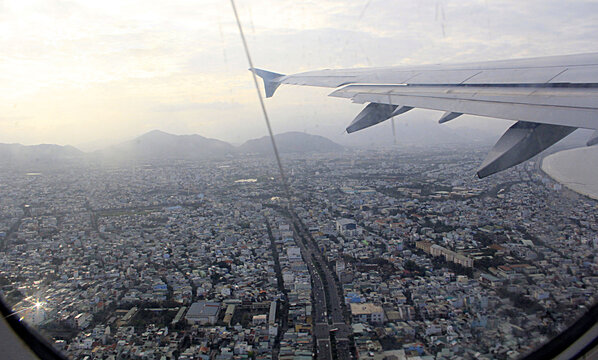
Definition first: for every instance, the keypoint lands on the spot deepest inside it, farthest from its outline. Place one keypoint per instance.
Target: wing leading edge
(549, 97)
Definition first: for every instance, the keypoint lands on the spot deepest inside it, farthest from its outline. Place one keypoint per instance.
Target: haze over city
(93, 74)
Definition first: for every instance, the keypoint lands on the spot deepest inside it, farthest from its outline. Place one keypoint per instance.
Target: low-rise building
(203, 312)
(367, 312)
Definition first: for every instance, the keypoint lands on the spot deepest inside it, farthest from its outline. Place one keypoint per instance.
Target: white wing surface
(549, 97)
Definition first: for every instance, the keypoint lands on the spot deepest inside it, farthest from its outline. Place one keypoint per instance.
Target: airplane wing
(549, 97)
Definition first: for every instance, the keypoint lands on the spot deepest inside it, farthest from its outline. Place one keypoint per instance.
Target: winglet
(270, 83)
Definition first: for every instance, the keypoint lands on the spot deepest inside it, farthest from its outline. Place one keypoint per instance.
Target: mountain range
(159, 145)
(14, 155)
(290, 142)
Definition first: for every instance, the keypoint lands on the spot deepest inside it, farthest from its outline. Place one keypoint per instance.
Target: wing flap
(556, 106)
(578, 75)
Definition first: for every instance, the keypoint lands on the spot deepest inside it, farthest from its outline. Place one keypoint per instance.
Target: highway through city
(331, 330)
(319, 311)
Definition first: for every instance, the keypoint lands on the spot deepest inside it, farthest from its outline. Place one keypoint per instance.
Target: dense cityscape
(398, 253)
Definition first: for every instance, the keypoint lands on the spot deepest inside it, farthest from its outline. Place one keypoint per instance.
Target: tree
(413, 267)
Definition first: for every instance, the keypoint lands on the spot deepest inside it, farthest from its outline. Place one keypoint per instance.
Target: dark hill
(157, 144)
(291, 142)
(43, 155)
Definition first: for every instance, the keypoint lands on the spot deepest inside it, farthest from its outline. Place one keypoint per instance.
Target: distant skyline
(84, 73)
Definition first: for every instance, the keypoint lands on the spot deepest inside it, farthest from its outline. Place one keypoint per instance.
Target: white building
(367, 313)
(293, 253)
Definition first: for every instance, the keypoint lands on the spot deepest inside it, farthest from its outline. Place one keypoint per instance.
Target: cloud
(194, 106)
(13, 119)
(76, 71)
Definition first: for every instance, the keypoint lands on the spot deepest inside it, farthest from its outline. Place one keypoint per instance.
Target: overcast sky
(85, 72)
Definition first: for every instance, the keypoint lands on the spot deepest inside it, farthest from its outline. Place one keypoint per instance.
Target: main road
(327, 302)
(319, 313)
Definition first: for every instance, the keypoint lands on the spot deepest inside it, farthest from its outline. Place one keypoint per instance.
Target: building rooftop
(367, 308)
(203, 308)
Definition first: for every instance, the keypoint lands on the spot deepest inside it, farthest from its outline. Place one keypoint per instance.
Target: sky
(92, 73)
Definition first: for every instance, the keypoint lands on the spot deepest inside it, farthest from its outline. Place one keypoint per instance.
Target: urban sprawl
(378, 254)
